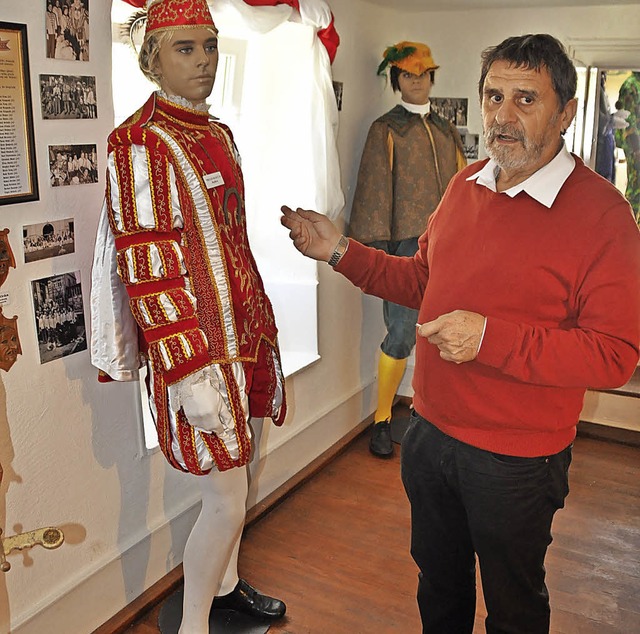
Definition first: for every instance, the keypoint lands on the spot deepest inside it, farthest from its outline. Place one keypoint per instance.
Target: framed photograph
(59, 316)
(67, 29)
(471, 143)
(338, 90)
(48, 239)
(68, 97)
(72, 165)
(453, 109)
(18, 173)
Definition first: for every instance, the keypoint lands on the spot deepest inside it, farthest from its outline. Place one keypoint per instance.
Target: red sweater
(560, 288)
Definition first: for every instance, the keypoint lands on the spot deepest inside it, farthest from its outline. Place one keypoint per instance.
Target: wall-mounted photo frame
(338, 89)
(73, 164)
(48, 239)
(59, 316)
(470, 144)
(67, 29)
(18, 170)
(453, 109)
(68, 97)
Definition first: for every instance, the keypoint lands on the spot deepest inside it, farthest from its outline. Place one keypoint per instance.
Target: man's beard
(506, 156)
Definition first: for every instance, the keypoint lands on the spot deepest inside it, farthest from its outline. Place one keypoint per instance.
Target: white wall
(71, 448)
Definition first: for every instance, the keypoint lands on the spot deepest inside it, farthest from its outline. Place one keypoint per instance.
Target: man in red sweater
(527, 280)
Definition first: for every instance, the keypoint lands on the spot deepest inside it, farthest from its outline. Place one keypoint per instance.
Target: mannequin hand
(202, 402)
(456, 334)
(313, 234)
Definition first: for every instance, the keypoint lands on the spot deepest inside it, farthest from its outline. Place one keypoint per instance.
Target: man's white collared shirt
(543, 185)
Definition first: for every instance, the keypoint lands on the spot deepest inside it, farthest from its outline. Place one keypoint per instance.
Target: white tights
(210, 560)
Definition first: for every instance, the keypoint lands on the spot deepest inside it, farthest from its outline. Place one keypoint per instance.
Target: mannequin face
(415, 89)
(187, 64)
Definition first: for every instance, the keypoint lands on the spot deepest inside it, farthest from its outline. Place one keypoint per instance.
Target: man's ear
(569, 113)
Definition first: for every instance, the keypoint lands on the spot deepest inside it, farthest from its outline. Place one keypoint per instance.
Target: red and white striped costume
(187, 295)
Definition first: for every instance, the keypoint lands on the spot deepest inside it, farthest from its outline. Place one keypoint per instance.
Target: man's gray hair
(535, 52)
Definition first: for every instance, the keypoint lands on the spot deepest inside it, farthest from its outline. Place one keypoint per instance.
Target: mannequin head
(186, 64)
(180, 48)
(414, 88)
(411, 70)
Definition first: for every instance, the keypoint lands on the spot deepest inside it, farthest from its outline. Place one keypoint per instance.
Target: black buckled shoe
(249, 601)
(380, 443)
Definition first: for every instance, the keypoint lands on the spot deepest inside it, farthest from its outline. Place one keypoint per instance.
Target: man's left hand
(457, 335)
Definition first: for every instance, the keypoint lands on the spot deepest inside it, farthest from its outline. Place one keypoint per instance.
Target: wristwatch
(339, 251)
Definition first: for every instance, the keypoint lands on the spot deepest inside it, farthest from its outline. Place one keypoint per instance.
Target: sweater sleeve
(144, 213)
(401, 280)
(598, 348)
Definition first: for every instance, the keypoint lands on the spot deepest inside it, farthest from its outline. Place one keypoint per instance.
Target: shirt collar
(422, 109)
(543, 185)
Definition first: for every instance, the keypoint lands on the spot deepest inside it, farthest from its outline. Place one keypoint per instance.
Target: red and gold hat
(163, 15)
(413, 57)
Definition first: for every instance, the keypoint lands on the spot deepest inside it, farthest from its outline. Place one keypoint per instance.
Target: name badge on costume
(213, 180)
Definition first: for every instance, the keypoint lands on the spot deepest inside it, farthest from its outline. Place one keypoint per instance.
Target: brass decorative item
(49, 537)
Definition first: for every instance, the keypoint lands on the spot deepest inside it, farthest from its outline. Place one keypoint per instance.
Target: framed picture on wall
(471, 143)
(453, 109)
(48, 239)
(18, 173)
(68, 97)
(59, 316)
(67, 29)
(73, 164)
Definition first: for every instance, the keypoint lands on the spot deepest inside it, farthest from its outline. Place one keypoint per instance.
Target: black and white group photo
(453, 109)
(72, 165)
(470, 144)
(48, 239)
(59, 316)
(68, 97)
(67, 29)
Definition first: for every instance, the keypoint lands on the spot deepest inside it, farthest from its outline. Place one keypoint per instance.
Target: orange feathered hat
(162, 15)
(413, 57)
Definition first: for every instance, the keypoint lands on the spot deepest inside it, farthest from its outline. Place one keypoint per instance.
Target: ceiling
(456, 5)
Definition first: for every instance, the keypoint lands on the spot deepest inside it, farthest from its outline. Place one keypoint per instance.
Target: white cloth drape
(329, 198)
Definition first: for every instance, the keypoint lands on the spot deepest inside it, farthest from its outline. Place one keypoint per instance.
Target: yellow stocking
(390, 373)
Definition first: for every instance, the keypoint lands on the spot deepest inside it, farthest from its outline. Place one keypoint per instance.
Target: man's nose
(506, 113)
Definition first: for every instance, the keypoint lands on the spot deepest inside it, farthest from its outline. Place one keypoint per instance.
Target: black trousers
(466, 502)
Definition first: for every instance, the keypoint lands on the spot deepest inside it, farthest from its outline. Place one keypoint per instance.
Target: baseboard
(147, 600)
(606, 432)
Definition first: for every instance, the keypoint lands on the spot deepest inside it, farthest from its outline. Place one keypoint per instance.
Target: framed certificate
(18, 172)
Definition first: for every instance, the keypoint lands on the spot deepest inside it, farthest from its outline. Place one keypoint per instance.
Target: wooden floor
(337, 549)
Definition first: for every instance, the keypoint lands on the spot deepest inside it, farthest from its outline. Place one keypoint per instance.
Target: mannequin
(409, 157)
(606, 145)
(629, 138)
(175, 286)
